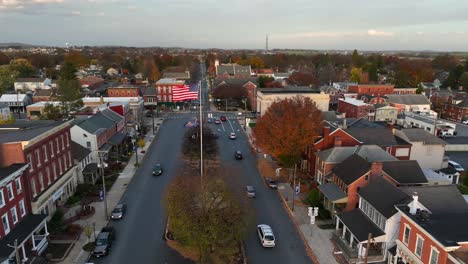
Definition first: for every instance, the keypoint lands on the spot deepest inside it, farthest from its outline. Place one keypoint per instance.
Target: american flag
(183, 93)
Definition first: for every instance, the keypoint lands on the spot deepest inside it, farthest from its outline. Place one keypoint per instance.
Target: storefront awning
(22, 232)
(333, 192)
(116, 139)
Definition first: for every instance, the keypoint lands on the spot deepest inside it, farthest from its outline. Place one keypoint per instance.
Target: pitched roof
(370, 153)
(7, 171)
(233, 69)
(79, 152)
(329, 116)
(351, 169)
(177, 75)
(439, 198)
(30, 80)
(360, 225)
(373, 136)
(383, 196)
(15, 134)
(12, 97)
(405, 171)
(150, 91)
(408, 99)
(236, 81)
(463, 103)
(112, 115)
(43, 92)
(96, 124)
(421, 135)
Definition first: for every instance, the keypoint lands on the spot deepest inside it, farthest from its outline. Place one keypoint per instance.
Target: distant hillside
(14, 44)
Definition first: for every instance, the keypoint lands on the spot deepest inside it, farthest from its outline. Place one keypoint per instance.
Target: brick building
(42, 95)
(355, 108)
(456, 112)
(123, 91)
(29, 231)
(164, 89)
(249, 85)
(371, 89)
(45, 145)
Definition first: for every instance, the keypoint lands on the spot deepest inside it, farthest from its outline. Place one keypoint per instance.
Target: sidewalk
(77, 254)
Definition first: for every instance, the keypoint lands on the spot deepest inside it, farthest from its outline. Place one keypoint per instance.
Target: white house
(32, 84)
(427, 149)
(409, 102)
(112, 72)
(16, 102)
(428, 123)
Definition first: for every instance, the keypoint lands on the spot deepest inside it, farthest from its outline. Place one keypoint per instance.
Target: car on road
(465, 122)
(232, 135)
(119, 211)
(271, 183)
(209, 120)
(149, 114)
(223, 118)
(217, 122)
(456, 166)
(266, 236)
(104, 241)
(238, 155)
(250, 191)
(157, 170)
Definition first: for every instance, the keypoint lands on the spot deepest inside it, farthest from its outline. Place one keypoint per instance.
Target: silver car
(250, 191)
(119, 211)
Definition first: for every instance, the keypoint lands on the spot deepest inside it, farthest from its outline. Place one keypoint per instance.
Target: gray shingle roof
(408, 99)
(405, 171)
(463, 103)
(24, 133)
(329, 116)
(360, 225)
(373, 136)
(439, 198)
(383, 196)
(43, 92)
(96, 123)
(233, 69)
(370, 153)
(150, 91)
(7, 171)
(236, 81)
(420, 135)
(112, 115)
(332, 191)
(79, 152)
(351, 169)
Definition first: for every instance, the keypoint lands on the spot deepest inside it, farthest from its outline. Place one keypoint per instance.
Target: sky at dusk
(240, 24)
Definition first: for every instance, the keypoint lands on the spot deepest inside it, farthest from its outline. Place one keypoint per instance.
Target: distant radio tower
(266, 44)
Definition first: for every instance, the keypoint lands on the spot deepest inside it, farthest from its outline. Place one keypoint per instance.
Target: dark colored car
(238, 155)
(104, 241)
(119, 211)
(223, 118)
(157, 170)
(149, 114)
(271, 183)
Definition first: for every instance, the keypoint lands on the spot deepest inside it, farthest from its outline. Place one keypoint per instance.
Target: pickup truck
(104, 241)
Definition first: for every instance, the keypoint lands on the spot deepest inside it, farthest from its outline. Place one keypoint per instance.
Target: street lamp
(135, 144)
(102, 165)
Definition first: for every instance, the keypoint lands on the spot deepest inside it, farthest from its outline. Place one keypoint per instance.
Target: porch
(351, 236)
(335, 199)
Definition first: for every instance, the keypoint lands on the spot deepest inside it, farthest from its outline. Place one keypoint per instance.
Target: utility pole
(101, 165)
(245, 113)
(294, 185)
(152, 115)
(369, 237)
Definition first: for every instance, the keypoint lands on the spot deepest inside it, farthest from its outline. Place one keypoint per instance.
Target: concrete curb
(309, 250)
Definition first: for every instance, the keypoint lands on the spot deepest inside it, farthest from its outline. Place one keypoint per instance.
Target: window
(14, 215)
(48, 175)
(10, 191)
(63, 142)
(44, 150)
(60, 166)
(68, 140)
(51, 146)
(54, 168)
(33, 187)
(6, 225)
(65, 166)
(69, 159)
(88, 144)
(19, 188)
(38, 157)
(406, 234)
(57, 145)
(419, 246)
(22, 208)
(2, 199)
(41, 181)
(29, 158)
(434, 256)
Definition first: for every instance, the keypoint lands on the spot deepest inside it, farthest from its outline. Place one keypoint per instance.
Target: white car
(456, 166)
(465, 122)
(266, 236)
(232, 136)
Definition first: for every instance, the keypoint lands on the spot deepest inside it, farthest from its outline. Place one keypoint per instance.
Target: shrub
(73, 200)
(56, 224)
(313, 199)
(463, 189)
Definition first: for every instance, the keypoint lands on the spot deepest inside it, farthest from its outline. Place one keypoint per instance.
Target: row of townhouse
(40, 167)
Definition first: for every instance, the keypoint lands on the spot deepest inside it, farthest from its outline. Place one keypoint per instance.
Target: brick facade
(371, 89)
(355, 111)
(123, 91)
(455, 113)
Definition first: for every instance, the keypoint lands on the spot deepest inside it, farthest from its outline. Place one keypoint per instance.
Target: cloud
(101, 14)
(375, 33)
(19, 4)
(75, 13)
(131, 7)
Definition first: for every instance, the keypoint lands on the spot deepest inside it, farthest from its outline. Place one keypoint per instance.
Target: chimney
(326, 132)
(337, 142)
(376, 169)
(345, 126)
(413, 205)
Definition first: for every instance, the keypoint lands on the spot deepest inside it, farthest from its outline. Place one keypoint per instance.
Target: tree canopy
(23, 67)
(7, 78)
(191, 144)
(288, 127)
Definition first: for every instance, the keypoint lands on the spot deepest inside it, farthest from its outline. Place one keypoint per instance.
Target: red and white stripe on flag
(182, 93)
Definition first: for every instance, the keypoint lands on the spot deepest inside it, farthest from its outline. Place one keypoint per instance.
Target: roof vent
(424, 215)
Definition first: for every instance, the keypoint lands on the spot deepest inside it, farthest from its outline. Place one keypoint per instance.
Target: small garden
(463, 187)
(56, 251)
(313, 199)
(60, 230)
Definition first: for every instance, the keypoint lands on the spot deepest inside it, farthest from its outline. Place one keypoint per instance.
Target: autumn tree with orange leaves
(288, 127)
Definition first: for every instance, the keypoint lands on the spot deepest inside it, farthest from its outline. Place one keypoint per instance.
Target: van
(456, 166)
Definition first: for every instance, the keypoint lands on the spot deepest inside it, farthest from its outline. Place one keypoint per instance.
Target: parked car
(465, 122)
(238, 155)
(157, 170)
(217, 122)
(444, 134)
(266, 236)
(250, 191)
(149, 113)
(456, 166)
(232, 135)
(119, 211)
(223, 118)
(104, 241)
(271, 183)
